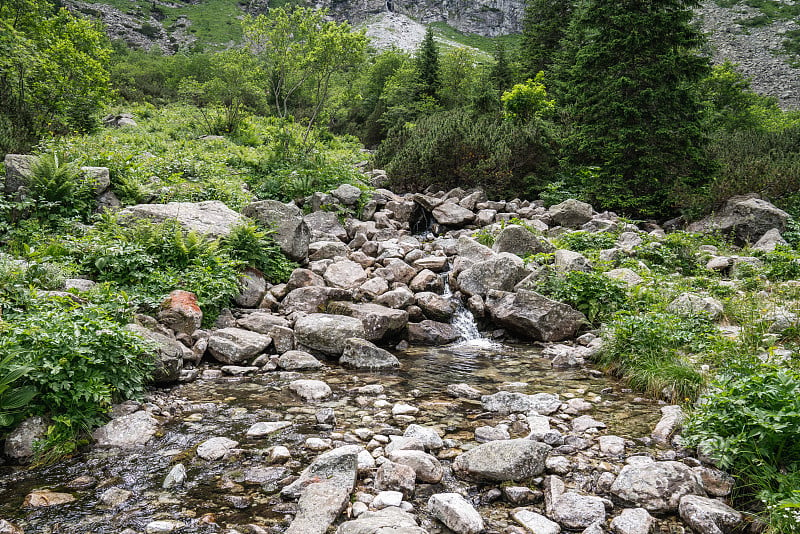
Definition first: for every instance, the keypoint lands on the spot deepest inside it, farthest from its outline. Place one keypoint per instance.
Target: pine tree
(501, 74)
(629, 74)
(543, 27)
(428, 66)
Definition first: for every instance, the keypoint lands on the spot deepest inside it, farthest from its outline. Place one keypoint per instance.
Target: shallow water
(227, 407)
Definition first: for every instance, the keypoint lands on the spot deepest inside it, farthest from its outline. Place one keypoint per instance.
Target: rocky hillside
(742, 34)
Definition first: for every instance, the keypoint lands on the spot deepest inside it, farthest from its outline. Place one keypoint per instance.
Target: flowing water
(234, 491)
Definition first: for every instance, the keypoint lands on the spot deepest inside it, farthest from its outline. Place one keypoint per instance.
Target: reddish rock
(180, 312)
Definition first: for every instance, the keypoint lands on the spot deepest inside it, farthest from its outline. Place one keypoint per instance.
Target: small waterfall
(464, 321)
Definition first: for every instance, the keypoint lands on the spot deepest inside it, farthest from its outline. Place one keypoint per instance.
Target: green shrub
(13, 397)
(595, 295)
(648, 351)
(782, 264)
(581, 241)
(748, 422)
(254, 247)
(674, 253)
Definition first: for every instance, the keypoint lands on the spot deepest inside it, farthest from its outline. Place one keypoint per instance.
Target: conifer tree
(629, 73)
(501, 73)
(543, 27)
(428, 66)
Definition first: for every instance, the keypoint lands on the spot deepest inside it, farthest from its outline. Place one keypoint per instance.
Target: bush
(649, 352)
(582, 241)
(674, 253)
(58, 189)
(254, 247)
(748, 422)
(593, 294)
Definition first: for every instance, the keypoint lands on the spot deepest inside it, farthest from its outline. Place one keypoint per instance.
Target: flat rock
(338, 467)
(234, 345)
(298, 360)
(514, 402)
(45, 498)
(261, 429)
(127, 432)
(319, 506)
(708, 516)
(499, 461)
(212, 217)
(327, 333)
(310, 390)
(379, 322)
(362, 354)
(536, 523)
(656, 486)
(430, 332)
(215, 448)
(633, 521)
(387, 521)
(456, 513)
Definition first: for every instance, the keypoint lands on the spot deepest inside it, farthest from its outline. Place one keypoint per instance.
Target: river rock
(169, 354)
(310, 390)
(234, 345)
(716, 483)
(127, 432)
(379, 322)
(514, 402)
(427, 467)
(499, 461)
(361, 354)
(501, 273)
(326, 250)
(44, 498)
(708, 516)
(656, 486)
(291, 232)
(387, 521)
(303, 278)
(434, 306)
(396, 477)
(164, 526)
(633, 521)
(212, 217)
(298, 360)
(345, 274)
(261, 322)
(327, 333)
(338, 467)
(671, 420)
(180, 312)
(215, 448)
(575, 511)
(571, 213)
(534, 316)
(396, 298)
(175, 477)
(319, 506)
(9, 528)
(261, 429)
(536, 523)
(325, 223)
(430, 332)
(456, 513)
(429, 437)
(451, 214)
(519, 240)
(311, 299)
(585, 422)
(19, 443)
(114, 497)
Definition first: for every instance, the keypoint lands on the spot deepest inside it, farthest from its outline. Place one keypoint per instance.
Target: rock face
(327, 333)
(291, 232)
(534, 316)
(656, 486)
(212, 218)
(499, 461)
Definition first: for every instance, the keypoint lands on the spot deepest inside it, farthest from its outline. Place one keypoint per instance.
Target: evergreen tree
(629, 74)
(428, 66)
(543, 27)
(501, 74)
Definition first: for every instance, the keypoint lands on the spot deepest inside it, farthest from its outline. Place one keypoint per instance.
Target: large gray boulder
(20, 442)
(745, 218)
(391, 520)
(435, 306)
(379, 321)
(18, 171)
(325, 223)
(571, 213)
(212, 217)
(291, 232)
(456, 513)
(451, 214)
(311, 299)
(327, 333)
(345, 274)
(127, 432)
(656, 486)
(169, 354)
(708, 516)
(499, 461)
(361, 354)
(234, 345)
(319, 506)
(514, 402)
(338, 467)
(501, 273)
(534, 316)
(519, 240)
(430, 332)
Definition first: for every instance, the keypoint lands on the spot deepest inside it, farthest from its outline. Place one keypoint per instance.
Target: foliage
(648, 351)
(456, 77)
(58, 188)
(80, 359)
(553, 193)
(52, 72)
(595, 295)
(459, 148)
(543, 27)
(731, 103)
(782, 264)
(427, 63)
(528, 100)
(633, 104)
(676, 252)
(748, 422)
(13, 397)
(581, 241)
(254, 247)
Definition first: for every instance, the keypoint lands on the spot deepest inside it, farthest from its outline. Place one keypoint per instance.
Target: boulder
(311, 299)
(325, 223)
(18, 172)
(212, 217)
(656, 486)
(469, 249)
(625, 275)
(571, 213)
(451, 214)
(361, 354)
(500, 273)
(456, 513)
(396, 477)
(327, 250)
(338, 467)
(426, 280)
(514, 402)
(127, 432)
(234, 345)
(435, 306)
(298, 360)
(215, 448)
(169, 354)
(291, 232)
(20, 442)
(303, 278)
(534, 316)
(427, 467)
(318, 507)
(379, 322)
(693, 304)
(745, 218)
(432, 333)
(310, 390)
(389, 520)
(567, 260)
(253, 288)
(535, 523)
(633, 521)
(500, 461)
(261, 322)
(520, 241)
(575, 511)
(428, 436)
(180, 312)
(671, 420)
(770, 240)
(45, 498)
(708, 516)
(396, 298)
(327, 333)
(347, 194)
(345, 274)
